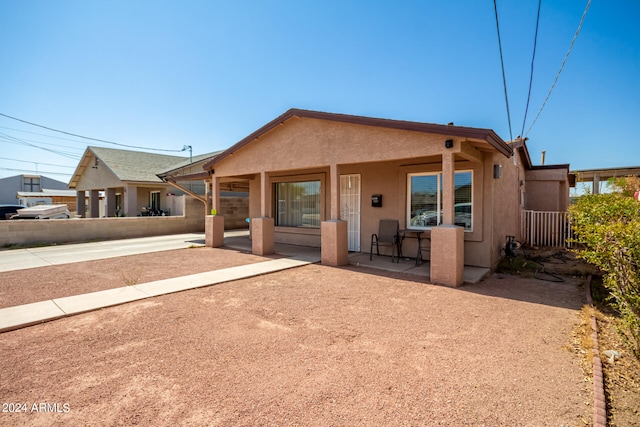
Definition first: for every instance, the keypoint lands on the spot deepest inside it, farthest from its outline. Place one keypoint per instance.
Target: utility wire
(584, 14)
(29, 171)
(45, 135)
(38, 163)
(13, 140)
(504, 79)
(533, 58)
(87, 137)
(35, 172)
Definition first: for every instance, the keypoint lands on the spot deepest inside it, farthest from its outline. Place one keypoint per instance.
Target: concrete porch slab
(408, 265)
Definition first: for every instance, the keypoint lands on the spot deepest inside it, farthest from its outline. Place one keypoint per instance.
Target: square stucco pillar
(110, 202)
(262, 236)
(94, 204)
(131, 201)
(214, 231)
(334, 243)
(81, 207)
(447, 255)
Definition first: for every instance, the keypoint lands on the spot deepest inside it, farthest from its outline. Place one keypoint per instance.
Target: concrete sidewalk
(20, 259)
(29, 314)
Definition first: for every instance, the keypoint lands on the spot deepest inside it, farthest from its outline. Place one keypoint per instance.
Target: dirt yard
(309, 346)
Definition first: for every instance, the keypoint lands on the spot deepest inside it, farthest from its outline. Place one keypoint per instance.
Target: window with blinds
(297, 204)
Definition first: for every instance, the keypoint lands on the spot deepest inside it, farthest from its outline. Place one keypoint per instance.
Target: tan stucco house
(127, 179)
(128, 183)
(326, 180)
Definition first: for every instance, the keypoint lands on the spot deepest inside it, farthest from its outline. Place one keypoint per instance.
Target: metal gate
(350, 208)
(546, 228)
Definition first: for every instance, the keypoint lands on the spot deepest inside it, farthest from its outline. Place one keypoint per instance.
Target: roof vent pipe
(543, 153)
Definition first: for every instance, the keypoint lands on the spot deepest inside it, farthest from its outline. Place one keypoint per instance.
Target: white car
(430, 219)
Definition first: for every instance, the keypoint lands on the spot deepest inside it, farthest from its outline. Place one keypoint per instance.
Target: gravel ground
(308, 346)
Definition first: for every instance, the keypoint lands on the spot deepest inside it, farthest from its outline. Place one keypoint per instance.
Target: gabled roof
(126, 165)
(487, 135)
(202, 158)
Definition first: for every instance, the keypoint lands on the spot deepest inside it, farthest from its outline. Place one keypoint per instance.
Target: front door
(350, 208)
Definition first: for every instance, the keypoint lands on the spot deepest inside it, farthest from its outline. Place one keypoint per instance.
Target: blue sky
(164, 74)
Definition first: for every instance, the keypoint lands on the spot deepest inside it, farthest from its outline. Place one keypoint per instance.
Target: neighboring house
(135, 183)
(545, 187)
(127, 178)
(10, 186)
(49, 197)
(326, 180)
(595, 177)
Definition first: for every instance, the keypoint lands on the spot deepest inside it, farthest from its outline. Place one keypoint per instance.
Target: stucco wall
(547, 190)
(390, 180)
(84, 229)
(303, 146)
(505, 204)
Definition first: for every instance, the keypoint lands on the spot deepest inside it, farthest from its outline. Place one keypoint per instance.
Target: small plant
(131, 278)
(517, 265)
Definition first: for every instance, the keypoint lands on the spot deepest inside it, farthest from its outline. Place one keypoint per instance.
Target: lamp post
(188, 147)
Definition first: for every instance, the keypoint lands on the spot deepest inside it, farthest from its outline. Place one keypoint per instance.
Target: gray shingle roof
(135, 165)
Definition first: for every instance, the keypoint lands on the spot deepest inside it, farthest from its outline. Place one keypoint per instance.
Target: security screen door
(350, 208)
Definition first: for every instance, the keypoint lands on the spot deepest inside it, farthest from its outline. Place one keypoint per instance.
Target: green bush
(607, 231)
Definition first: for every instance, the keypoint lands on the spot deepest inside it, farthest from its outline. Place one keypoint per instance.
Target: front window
(297, 204)
(424, 204)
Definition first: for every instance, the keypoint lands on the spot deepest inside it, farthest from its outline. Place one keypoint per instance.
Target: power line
(37, 163)
(43, 134)
(7, 136)
(12, 140)
(87, 137)
(504, 78)
(35, 172)
(584, 14)
(533, 57)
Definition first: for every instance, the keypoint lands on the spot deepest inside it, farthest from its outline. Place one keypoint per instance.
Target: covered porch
(240, 240)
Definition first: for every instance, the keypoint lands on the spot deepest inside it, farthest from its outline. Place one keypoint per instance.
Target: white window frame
(438, 176)
(276, 207)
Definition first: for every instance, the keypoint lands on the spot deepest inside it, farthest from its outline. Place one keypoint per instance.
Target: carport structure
(312, 175)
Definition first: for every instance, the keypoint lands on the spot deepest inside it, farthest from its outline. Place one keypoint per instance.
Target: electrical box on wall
(376, 200)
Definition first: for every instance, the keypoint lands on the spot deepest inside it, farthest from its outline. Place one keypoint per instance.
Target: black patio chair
(424, 245)
(387, 236)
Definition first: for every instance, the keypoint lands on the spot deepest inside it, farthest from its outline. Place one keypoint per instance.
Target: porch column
(131, 201)
(214, 224)
(207, 198)
(94, 204)
(81, 207)
(263, 228)
(334, 244)
(110, 207)
(447, 240)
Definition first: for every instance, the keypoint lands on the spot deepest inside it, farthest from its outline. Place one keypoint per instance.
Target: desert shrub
(607, 231)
